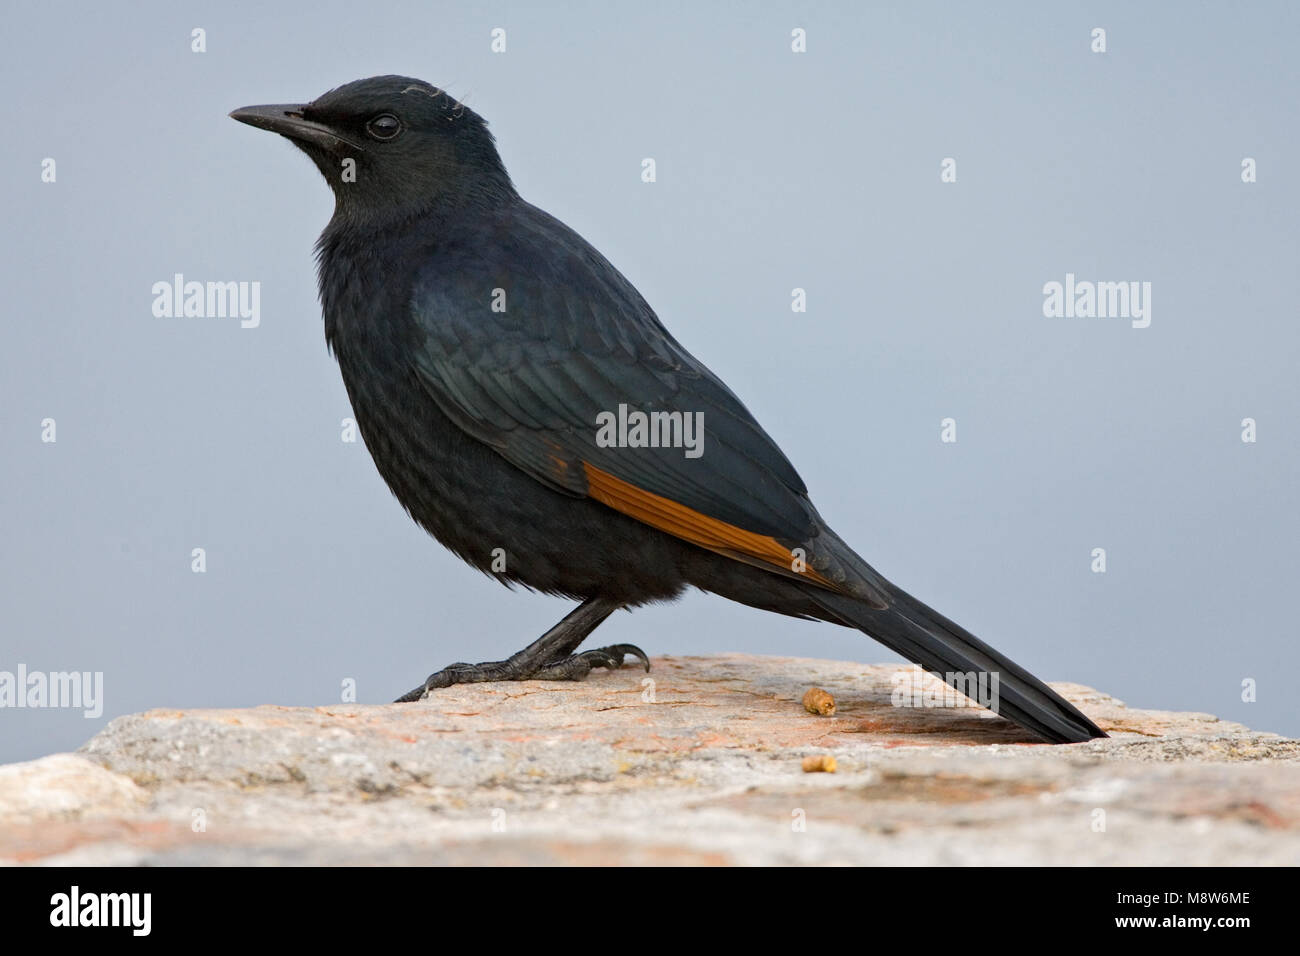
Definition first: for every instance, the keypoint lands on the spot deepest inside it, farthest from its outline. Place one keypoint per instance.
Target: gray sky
(776, 170)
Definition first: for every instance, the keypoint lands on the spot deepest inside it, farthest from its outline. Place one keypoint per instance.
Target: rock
(64, 786)
(702, 766)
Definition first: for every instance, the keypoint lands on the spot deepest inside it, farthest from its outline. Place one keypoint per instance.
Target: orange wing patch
(690, 525)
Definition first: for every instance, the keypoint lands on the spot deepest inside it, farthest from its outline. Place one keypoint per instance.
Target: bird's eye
(384, 126)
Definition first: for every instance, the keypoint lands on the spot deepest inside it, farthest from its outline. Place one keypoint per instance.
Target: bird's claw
(578, 666)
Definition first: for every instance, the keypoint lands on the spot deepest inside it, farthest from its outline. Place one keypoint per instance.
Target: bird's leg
(550, 657)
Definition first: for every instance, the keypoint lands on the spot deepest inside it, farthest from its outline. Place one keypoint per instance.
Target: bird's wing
(526, 339)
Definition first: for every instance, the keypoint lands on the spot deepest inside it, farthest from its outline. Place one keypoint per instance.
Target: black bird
(486, 348)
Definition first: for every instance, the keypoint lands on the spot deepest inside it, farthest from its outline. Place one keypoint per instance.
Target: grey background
(775, 170)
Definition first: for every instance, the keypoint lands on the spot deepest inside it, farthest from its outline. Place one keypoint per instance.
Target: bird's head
(392, 144)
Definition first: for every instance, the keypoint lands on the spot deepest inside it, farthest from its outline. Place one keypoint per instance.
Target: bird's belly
(495, 516)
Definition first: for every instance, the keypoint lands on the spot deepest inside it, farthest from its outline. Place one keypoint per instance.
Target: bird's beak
(287, 119)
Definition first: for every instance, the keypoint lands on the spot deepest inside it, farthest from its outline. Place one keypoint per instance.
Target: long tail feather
(926, 637)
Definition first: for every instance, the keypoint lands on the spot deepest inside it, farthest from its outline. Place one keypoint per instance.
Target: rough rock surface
(704, 766)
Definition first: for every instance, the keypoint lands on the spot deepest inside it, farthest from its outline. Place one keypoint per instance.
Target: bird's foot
(520, 667)
(578, 666)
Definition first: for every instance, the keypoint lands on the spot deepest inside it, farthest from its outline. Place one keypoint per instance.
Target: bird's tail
(950, 652)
